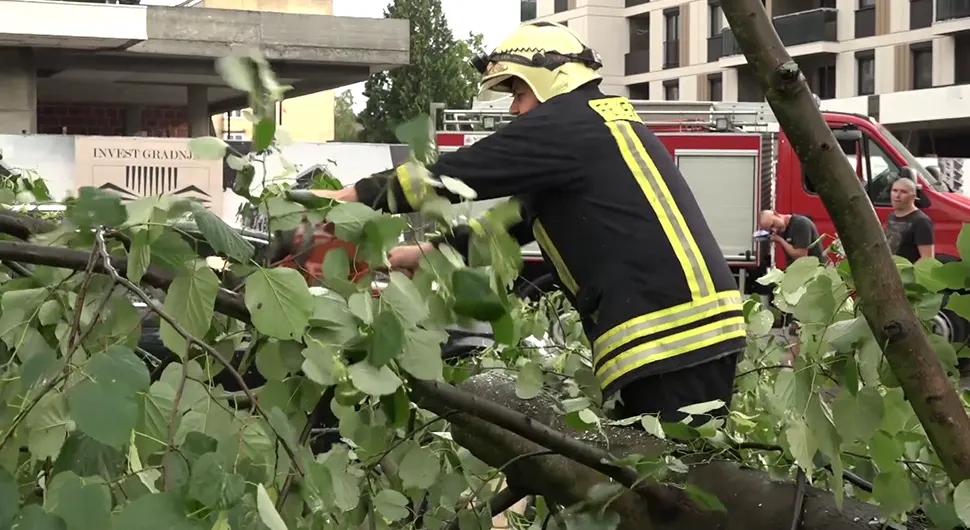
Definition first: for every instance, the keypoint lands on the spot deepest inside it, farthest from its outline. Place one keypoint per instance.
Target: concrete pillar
(18, 91)
(198, 110)
(133, 120)
(729, 84)
(944, 50)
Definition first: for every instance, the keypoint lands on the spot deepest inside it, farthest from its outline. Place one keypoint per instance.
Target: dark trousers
(664, 394)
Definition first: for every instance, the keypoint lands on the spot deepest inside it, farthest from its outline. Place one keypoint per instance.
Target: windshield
(910, 159)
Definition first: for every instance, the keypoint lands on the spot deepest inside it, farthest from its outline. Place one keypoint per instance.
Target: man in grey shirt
(796, 234)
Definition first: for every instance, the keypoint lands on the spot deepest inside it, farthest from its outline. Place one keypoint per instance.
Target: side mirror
(847, 135)
(922, 201)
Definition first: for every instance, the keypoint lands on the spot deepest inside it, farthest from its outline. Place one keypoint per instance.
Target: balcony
(671, 53)
(527, 10)
(951, 9)
(804, 27)
(920, 14)
(637, 62)
(715, 47)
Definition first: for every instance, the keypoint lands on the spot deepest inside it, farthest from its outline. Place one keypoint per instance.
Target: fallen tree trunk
(753, 500)
(877, 281)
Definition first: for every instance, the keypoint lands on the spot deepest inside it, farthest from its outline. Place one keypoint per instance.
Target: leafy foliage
(439, 72)
(334, 436)
(346, 128)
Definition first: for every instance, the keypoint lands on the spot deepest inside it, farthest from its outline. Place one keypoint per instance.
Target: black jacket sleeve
(528, 155)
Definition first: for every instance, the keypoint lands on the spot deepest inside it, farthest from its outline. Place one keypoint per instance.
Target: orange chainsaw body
(309, 252)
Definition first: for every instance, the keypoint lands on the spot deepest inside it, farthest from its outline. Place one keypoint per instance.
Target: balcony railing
(816, 25)
(637, 62)
(715, 47)
(950, 9)
(671, 54)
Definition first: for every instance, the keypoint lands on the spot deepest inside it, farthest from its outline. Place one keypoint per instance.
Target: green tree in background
(345, 126)
(439, 72)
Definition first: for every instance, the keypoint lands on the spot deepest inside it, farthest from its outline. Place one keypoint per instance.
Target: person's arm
(526, 156)
(924, 237)
(801, 239)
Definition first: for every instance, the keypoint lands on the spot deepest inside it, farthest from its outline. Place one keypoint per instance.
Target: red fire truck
(738, 162)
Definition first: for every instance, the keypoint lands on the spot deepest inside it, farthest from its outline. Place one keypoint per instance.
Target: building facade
(307, 118)
(904, 62)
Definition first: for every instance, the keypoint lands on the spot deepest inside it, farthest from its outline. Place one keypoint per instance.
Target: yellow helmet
(547, 56)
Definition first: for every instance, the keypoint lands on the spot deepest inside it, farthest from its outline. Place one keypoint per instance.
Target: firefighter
(611, 212)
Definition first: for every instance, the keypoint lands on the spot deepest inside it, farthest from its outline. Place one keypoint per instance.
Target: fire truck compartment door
(726, 186)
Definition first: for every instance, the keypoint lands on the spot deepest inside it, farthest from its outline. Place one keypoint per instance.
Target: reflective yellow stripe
(670, 346)
(645, 172)
(665, 319)
(414, 187)
(543, 239)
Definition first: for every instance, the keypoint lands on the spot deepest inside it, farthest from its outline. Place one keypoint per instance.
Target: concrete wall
(306, 118)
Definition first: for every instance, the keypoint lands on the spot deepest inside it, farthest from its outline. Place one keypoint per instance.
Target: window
(867, 3)
(672, 90)
(235, 113)
(866, 74)
(234, 136)
(527, 10)
(884, 171)
(715, 87)
(672, 25)
(715, 19)
(922, 66)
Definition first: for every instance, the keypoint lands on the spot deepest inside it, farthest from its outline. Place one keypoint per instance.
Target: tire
(949, 325)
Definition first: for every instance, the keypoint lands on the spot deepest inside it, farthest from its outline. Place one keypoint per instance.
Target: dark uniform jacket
(613, 214)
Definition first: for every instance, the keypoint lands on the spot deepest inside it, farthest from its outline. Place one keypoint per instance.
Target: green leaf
(392, 505)
(959, 304)
(474, 296)
(403, 297)
(963, 241)
(961, 499)
(422, 354)
(372, 380)
(267, 512)
(361, 305)
(223, 238)
(349, 220)
(33, 517)
(702, 408)
(458, 187)
(171, 252)
(208, 147)
(95, 207)
(279, 301)
(9, 498)
(213, 482)
(191, 301)
(239, 72)
(81, 505)
(759, 324)
(895, 493)
(103, 406)
(418, 134)
(49, 423)
(592, 521)
(322, 364)
(802, 445)
(140, 255)
(705, 500)
(419, 468)
(652, 425)
(942, 515)
(160, 511)
(529, 381)
(387, 339)
(858, 417)
(263, 134)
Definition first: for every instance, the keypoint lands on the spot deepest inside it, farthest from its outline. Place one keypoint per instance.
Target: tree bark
(753, 500)
(878, 283)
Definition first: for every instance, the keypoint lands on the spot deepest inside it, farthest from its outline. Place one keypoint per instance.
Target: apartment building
(904, 62)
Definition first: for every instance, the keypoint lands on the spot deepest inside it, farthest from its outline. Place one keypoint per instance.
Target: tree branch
(502, 501)
(878, 282)
(227, 302)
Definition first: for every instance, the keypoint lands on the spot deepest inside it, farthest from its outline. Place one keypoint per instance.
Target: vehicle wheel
(534, 290)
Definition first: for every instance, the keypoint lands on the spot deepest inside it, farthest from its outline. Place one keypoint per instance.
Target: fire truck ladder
(719, 115)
